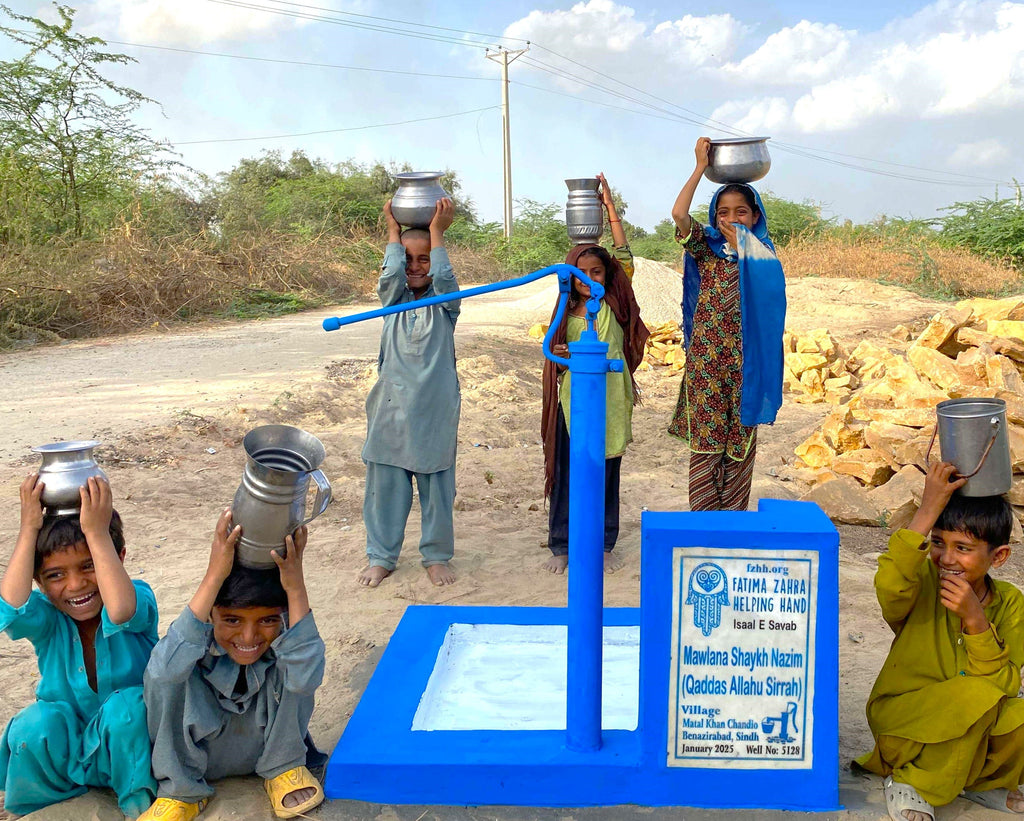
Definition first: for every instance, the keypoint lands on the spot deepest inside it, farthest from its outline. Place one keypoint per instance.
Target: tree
(73, 155)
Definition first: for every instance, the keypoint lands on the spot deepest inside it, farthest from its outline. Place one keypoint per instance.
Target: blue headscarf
(762, 310)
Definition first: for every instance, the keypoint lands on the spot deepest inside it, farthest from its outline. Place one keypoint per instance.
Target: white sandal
(900, 797)
(993, 799)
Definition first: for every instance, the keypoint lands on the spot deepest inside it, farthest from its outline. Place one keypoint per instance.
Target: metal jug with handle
(270, 503)
(972, 435)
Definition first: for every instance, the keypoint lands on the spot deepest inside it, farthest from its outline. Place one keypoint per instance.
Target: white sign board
(742, 674)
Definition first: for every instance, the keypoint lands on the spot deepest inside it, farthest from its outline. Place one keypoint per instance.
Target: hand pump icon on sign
(768, 723)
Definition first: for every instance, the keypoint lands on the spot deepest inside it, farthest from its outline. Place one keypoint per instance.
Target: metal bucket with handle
(972, 435)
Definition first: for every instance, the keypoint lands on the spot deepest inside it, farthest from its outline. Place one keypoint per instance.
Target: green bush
(992, 228)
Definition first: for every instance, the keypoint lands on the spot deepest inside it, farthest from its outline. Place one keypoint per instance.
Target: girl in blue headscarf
(734, 313)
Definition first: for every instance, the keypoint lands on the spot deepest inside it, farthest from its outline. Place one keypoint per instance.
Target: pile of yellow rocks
(665, 347)
(865, 461)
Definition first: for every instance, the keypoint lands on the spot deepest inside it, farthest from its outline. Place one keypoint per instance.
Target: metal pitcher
(65, 468)
(584, 215)
(270, 503)
(972, 435)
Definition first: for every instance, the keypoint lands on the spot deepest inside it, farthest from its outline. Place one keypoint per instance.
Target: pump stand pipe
(588, 365)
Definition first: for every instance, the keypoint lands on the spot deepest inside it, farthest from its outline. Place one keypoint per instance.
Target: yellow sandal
(170, 809)
(288, 782)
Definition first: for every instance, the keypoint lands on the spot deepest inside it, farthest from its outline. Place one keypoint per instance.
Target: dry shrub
(128, 281)
(473, 266)
(925, 267)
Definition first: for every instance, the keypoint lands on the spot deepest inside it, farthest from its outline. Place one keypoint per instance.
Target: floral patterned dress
(708, 411)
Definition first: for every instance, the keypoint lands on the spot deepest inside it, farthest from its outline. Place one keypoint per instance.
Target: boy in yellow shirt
(943, 710)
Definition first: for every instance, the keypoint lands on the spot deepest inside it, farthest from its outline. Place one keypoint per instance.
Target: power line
(303, 62)
(335, 130)
(392, 20)
(689, 116)
(798, 150)
(351, 24)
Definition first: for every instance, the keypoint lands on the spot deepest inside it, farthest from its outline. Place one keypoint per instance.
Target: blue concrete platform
(381, 759)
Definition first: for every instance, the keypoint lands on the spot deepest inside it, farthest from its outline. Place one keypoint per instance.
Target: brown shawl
(620, 298)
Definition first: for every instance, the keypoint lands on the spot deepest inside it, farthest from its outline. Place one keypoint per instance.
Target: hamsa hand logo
(708, 591)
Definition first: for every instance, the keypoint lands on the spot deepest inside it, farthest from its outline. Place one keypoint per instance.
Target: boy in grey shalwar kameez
(229, 690)
(412, 413)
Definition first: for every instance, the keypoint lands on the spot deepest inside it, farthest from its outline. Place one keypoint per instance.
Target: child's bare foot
(373, 575)
(557, 564)
(440, 574)
(611, 562)
(300, 796)
(1015, 800)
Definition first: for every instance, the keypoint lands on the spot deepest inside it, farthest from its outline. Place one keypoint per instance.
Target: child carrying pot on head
(619, 324)
(734, 313)
(944, 711)
(412, 413)
(92, 629)
(229, 689)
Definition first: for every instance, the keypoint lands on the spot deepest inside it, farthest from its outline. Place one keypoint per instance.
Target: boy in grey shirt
(412, 413)
(229, 690)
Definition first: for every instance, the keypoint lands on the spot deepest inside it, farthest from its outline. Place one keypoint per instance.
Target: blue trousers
(386, 507)
(49, 754)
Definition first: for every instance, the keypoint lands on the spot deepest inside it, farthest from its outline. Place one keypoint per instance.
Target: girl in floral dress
(734, 312)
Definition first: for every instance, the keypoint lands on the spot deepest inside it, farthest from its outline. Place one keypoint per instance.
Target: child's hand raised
(939, 486)
(606, 191)
(31, 493)
(290, 565)
(957, 595)
(292, 580)
(444, 216)
(702, 151)
(97, 507)
(394, 229)
(222, 551)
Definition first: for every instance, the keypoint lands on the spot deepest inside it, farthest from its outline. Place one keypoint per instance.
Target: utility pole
(504, 57)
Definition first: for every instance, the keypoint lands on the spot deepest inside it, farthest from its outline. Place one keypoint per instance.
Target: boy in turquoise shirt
(92, 628)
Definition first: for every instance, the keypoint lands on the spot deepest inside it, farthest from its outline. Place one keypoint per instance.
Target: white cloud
(188, 22)
(970, 60)
(763, 115)
(989, 153)
(804, 53)
(946, 60)
(698, 41)
(596, 24)
(601, 32)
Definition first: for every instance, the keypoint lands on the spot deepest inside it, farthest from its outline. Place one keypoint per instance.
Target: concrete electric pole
(504, 57)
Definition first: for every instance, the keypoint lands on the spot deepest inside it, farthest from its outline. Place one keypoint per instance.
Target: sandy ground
(171, 409)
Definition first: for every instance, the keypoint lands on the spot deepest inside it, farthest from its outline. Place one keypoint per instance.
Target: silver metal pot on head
(65, 468)
(742, 159)
(415, 201)
(584, 214)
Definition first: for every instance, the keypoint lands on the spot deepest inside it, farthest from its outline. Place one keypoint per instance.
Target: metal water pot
(65, 468)
(972, 435)
(742, 159)
(270, 503)
(584, 215)
(415, 201)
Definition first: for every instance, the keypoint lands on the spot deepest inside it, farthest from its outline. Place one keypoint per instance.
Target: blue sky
(929, 94)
